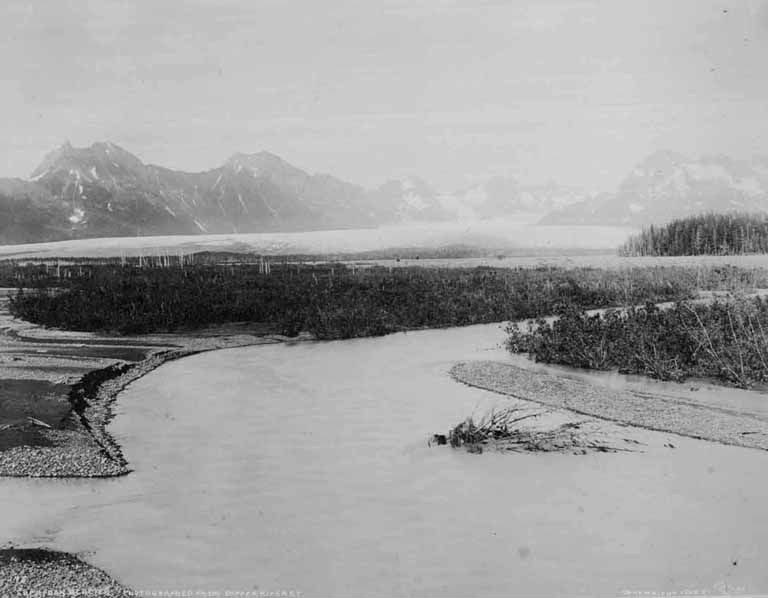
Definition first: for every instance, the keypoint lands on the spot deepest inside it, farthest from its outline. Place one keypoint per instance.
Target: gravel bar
(38, 573)
(643, 410)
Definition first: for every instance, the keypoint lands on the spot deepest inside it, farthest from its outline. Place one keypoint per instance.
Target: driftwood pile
(501, 430)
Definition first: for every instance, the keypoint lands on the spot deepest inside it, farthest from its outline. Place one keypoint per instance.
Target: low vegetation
(498, 425)
(330, 300)
(726, 340)
(505, 430)
(707, 234)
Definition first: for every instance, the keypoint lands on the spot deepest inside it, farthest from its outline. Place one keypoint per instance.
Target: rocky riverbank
(57, 390)
(44, 573)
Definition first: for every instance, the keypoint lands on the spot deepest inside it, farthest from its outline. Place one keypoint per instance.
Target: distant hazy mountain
(668, 185)
(501, 197)
(410, 199)
(103, 190)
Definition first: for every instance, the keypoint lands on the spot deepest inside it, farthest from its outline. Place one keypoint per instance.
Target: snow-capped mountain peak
(669, 185)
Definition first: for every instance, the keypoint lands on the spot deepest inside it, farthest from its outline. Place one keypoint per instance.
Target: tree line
(706, 234)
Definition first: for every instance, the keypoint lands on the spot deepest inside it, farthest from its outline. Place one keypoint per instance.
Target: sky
(453, 91)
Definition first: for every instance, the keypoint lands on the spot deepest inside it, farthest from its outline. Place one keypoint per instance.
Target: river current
(306, 467)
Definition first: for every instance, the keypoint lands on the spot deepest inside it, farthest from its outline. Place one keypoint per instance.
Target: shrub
(726, 340)
(329, 300)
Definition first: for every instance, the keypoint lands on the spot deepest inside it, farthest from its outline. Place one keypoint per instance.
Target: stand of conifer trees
(708, 234)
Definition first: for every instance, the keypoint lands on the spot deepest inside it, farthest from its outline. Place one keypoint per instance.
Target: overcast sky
(451, 90)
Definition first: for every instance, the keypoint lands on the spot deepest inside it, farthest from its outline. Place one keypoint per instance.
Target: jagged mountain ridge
(109, 191)
(668, 185)
(104, 190)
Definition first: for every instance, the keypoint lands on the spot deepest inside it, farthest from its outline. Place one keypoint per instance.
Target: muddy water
(306, 467)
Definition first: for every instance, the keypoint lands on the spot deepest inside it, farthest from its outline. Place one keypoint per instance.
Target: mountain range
(105, 191)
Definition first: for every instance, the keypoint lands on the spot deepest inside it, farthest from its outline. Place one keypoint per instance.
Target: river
(306, 467)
